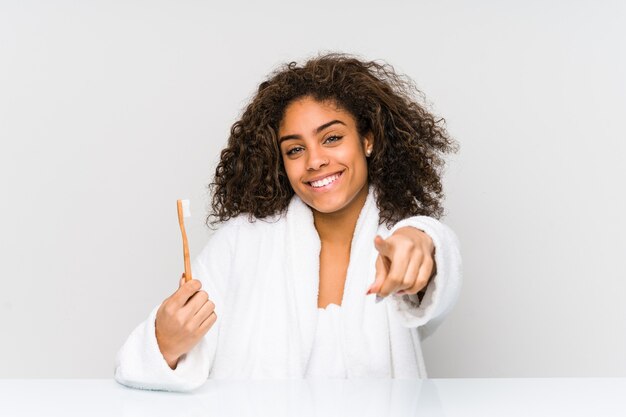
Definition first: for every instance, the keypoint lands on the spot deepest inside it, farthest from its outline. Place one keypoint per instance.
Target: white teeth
(324, 181)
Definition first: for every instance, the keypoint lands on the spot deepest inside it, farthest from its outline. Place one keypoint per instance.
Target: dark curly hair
(406, 163)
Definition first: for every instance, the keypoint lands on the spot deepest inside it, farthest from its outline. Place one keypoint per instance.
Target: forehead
(309, 113)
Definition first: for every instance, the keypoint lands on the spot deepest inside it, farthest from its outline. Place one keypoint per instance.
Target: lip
(321, 177)
(328, 186)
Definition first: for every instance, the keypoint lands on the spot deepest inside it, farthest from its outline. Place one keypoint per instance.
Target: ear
(368, 143)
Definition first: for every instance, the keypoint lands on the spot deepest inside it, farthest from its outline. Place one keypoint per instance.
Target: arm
(140, 363)
(427, 310)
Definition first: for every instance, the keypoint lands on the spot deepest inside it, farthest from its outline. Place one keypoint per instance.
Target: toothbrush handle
(181, 222)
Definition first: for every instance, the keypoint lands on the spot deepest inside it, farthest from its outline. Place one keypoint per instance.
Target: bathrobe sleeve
(443, 290)
(139, 362)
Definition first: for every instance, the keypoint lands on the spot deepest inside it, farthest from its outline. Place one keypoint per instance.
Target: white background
(112, 110)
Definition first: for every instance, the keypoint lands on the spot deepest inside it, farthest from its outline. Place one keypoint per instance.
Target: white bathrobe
(263, 277)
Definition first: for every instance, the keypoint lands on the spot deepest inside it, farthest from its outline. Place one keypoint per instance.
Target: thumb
(381, 245)
(182, 280)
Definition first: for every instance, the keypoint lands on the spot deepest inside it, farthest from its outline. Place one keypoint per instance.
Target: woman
(327, 193)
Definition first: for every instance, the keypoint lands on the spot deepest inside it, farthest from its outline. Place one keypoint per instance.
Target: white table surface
(314, 397)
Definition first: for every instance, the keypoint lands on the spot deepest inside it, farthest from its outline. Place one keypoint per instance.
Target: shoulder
(245, 225)
(430, 225)
(236, 236)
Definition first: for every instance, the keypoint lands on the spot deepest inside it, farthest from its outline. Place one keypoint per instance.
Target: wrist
(171, 359)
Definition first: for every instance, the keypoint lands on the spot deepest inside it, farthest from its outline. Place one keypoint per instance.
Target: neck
(338, 227)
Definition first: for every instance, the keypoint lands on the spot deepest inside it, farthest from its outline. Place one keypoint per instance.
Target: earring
(368, 152)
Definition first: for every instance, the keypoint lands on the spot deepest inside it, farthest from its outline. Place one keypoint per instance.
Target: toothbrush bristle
(186, 210)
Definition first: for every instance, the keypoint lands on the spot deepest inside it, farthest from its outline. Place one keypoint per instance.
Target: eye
(292, 151)
(336, 138)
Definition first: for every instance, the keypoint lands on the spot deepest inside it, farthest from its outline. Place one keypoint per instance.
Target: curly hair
(409, 142)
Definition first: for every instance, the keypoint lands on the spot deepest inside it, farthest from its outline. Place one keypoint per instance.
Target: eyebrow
(315, 131)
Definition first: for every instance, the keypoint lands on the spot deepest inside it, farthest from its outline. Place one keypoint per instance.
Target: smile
(326, 182)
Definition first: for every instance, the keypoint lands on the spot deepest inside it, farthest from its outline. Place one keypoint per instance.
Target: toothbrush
(183, 211)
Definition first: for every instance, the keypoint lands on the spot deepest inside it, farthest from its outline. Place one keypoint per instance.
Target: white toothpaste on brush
(186, 209)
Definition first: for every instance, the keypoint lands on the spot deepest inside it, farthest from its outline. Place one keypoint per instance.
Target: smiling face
(324, 156)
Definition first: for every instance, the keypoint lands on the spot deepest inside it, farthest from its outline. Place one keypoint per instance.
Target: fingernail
(379, 298)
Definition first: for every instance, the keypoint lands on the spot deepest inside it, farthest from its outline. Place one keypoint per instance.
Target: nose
(316, 159)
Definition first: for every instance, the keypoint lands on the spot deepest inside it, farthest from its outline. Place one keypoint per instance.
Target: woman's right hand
(183, 319)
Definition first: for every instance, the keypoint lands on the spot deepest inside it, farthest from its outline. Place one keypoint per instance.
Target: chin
(327, 204)
(327, 208)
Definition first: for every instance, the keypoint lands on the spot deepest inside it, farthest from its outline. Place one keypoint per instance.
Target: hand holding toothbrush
(183, 319)
(188, 314)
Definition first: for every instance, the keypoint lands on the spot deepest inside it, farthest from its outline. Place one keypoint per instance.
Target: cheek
(361, 171)
(292, 170)
(358, 162)
(351, 154)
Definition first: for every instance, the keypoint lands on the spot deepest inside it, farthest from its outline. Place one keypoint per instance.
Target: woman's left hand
(405, 263)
